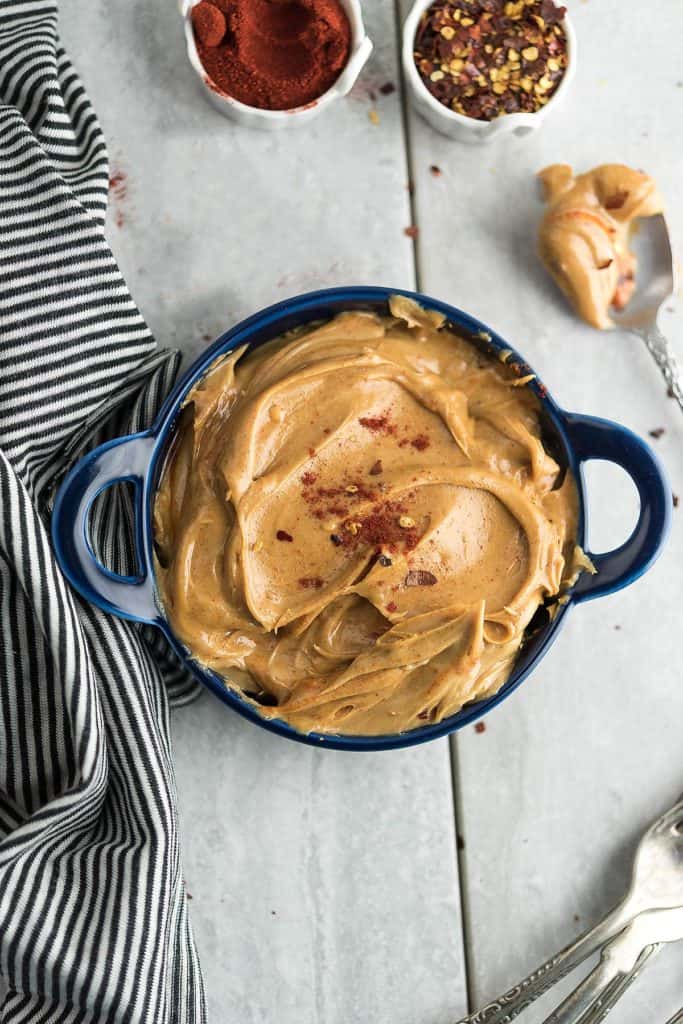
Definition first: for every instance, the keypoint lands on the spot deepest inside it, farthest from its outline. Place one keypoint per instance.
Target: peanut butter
(359, 520)
(583, 239)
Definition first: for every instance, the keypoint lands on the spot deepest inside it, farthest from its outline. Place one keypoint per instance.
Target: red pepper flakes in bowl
(486, 58)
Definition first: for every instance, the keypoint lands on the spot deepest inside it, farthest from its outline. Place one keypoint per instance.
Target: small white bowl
(270, 120)
(468, 129)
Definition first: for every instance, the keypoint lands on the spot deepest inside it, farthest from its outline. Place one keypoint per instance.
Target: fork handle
(663, 354)
(607, 1001)
(594, 997)
(508, 1006)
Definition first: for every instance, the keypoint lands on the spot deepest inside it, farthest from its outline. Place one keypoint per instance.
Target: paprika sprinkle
(272, 54)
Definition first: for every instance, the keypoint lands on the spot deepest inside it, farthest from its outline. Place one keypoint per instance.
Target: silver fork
(656, 884)
(656, 284)
(620, 962)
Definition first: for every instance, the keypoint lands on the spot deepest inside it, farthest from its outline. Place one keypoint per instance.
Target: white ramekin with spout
(271, 120)
(468, 129)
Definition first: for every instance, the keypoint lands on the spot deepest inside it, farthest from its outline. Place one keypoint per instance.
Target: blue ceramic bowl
(573, 440)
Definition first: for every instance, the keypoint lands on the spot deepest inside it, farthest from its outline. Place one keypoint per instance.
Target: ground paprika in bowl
(269, 64)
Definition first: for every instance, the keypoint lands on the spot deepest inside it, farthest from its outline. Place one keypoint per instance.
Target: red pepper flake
(616, 201)
(392, 606)
(657, 433)
(420, 578)
(420, 442)
(118, 185)
(378, 424)
(308, 478)
(283, 535)
(411, 232)
(480, 727)
(311, 582)
(381, 529)
(376, 468)
(435, 171)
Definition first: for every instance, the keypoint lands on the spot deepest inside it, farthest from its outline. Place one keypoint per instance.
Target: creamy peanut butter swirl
(359, 521)
(584, 234)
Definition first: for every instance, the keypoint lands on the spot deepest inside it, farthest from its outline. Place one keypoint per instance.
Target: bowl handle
(594, 438)
(124, 459)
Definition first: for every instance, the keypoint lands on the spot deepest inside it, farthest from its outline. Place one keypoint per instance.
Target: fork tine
(677, 1017)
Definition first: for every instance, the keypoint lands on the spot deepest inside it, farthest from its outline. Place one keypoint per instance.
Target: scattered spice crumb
(274, 913)
(118, 185)
(435, 171)
(576, 918)
(480, 727)
(460, 842)
(670, 392)
(283, 535)
(311, 582)
(378, 424)
(374, 117)
(336, 539)
(420, 578)
(675, 500)
(420, 442)
(412, 232)
(188, 894)
(387, 88)
(384, 561)
(376, 468)
(617, 627)
(657, 432)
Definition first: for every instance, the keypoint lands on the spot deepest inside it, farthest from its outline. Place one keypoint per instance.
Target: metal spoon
(656, 284)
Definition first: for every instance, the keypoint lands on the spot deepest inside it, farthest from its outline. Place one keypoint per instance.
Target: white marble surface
(325, 885)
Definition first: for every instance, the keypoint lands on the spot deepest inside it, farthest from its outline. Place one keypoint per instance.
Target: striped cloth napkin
(93, 916)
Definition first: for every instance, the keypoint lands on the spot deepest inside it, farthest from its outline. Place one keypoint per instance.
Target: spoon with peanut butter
(599, 228)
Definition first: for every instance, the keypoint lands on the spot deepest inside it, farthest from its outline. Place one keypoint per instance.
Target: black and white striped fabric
(93, 916)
